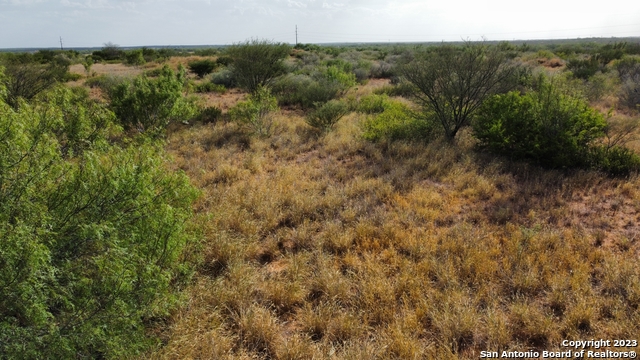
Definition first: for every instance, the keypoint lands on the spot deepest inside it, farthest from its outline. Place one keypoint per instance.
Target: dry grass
(334, 248)
(330, 247)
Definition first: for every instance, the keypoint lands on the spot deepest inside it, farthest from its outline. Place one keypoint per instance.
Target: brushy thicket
(550, 128)
(92, 232)
(257, 62)
(202, 67)
(149, 105)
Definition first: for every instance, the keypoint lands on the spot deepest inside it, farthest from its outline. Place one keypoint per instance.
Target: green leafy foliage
(615, 160)
(547, 126)
(25, 78)
(254, 113)
(583, 68)
(305, 91)
(134, 57)
(452, 82)
(395, 122)
(91, 238)
(202, 67)
(327, 115)
(149, 105)
(312, 90)
(257, 62)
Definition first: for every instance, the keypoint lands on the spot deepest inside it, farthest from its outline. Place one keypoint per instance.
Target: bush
(255, 112)
(547, 127)
(150, 105)
(208, 87)
(327, 115)
(225, 78)
(25, 79)
(91, 246)
(374, 104)
(210, 114)
(134, 57)
(257, 62)
(202, 67)
(453, 82)
(629, 71)
(398, 122)
(615, 160)
(109, 52)
(304, 91)
(583, 68)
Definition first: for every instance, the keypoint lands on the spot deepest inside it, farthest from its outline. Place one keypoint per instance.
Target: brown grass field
(332, 247)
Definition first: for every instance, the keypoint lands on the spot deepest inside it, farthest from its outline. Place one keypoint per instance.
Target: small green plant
(202, 68)
(255, 113)
(327, 115)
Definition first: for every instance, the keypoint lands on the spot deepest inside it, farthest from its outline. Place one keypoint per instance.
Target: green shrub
(373, 104)
(208, 87)
(257, 62)
(91, 246)
(547, 127)
(225, 78)
(255, 112)
(327, 115)
(202, 67)
(224, 60)
(134, 57)
(210, 114)
(583, 68)
(616, 160)
(304, 91)
(398, 122)
(148, 105)
(25, 79)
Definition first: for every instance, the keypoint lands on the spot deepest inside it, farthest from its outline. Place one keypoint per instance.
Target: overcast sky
(89, 23)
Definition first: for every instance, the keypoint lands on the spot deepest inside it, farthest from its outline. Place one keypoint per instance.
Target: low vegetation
(356, 202)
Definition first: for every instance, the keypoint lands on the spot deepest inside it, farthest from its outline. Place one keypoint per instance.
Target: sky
(92, 23)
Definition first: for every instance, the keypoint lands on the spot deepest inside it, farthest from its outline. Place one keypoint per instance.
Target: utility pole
(296, 34)
(61, 43)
